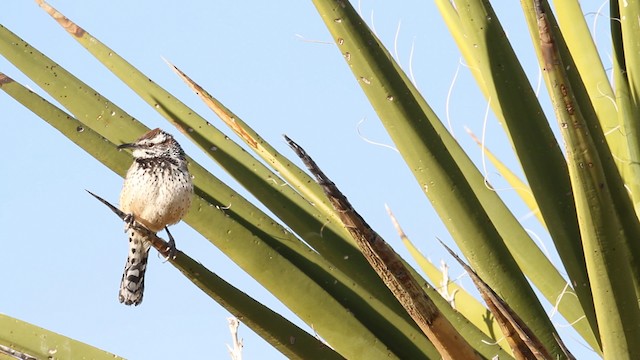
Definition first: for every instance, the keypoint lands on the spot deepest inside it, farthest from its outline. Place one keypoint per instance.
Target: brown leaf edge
(388, 265)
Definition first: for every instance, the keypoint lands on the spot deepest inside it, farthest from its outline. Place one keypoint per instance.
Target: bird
(156, 193)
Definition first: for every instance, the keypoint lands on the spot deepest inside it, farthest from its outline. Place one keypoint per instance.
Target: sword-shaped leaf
(21, 340)
(608, 225)
(441, 169)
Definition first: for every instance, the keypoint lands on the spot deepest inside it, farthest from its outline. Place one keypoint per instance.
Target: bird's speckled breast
(156, 194)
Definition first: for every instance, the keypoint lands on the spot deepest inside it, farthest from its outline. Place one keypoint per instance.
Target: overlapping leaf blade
(412, 126)
(602, 203)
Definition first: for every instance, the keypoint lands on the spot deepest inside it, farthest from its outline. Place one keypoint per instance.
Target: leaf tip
(67, 24)
(4, 79)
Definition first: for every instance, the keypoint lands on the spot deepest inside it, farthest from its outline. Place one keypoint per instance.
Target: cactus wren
(156, 192)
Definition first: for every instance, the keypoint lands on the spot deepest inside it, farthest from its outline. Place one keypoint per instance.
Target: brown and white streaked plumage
(156, 193)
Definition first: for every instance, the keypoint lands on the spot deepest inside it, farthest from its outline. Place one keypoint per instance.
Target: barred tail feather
(132, 284)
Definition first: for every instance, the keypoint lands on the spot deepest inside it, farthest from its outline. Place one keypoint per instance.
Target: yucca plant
(307, 258)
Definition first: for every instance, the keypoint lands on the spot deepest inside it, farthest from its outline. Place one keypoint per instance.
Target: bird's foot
(129, 220)
(171, 247)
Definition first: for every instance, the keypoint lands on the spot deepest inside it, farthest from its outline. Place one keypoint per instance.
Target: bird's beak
(126, 146)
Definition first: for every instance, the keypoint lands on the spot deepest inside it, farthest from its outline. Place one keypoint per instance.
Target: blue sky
(273, 64)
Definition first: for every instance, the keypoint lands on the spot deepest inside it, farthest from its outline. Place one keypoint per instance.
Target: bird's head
(155, 143)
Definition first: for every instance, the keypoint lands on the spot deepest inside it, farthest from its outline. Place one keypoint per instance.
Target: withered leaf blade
(521, 339)
(388, 265)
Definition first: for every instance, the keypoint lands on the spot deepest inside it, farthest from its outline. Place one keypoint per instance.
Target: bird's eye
(151, 145)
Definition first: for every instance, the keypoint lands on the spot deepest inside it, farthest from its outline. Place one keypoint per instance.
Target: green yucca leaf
(596, 188)
(543, 163)
(411, 127)
(33, 342)
(626, 72)
(591, 71)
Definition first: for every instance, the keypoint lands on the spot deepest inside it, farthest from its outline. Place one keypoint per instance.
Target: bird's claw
(129, 220)
(171, 248)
